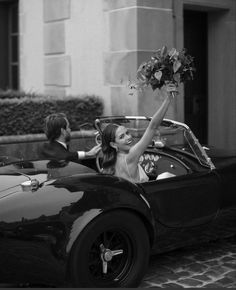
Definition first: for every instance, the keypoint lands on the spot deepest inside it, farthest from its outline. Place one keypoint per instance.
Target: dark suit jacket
(56, 151)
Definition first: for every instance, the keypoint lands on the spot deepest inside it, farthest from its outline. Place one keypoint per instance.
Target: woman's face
(123, 139)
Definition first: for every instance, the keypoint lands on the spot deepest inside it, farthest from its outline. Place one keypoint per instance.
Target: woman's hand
(169, 89)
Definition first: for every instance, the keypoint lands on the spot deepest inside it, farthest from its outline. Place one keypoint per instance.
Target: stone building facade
(76, 47)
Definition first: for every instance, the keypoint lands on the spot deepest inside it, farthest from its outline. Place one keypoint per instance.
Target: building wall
(86, 41)
(31, 45)
(222, 78)
(57, 61)
(221, 67)
(74, 47)
(134, 40)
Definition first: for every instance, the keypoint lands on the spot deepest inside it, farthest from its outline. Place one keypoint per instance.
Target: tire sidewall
(133, 227)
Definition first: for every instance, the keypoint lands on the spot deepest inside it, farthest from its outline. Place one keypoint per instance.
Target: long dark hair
(109, 153)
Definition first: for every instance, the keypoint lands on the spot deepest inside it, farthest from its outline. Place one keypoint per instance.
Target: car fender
(79, 224)
(60, 209)
(99, 199)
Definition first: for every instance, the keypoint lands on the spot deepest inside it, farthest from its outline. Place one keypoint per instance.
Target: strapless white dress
(122, 170)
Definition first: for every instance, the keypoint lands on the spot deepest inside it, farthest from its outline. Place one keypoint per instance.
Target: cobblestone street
(208, 265)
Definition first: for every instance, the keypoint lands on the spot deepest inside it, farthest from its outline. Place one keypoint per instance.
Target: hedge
(13, 94)
(26, 114)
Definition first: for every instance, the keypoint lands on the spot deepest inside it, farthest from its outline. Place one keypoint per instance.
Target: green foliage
(165, 66)
(13, 94)
(25, 113)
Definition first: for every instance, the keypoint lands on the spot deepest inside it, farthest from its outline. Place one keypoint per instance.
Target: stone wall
(26, 146)
(138, 35)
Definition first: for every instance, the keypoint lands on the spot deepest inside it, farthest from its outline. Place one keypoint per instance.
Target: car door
(186, 200)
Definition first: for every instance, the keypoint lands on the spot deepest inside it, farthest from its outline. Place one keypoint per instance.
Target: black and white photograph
(118, 144)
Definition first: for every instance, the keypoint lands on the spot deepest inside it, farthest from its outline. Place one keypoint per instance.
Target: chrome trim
(203, 152)
(147, 203)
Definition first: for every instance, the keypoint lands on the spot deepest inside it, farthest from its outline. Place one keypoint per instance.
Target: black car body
(63, 223)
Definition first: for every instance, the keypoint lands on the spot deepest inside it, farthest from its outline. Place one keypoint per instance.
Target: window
(9, 45)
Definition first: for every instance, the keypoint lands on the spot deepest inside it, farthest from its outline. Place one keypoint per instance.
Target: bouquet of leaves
(165, 66)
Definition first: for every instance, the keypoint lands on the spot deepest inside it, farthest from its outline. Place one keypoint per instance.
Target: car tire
(112, 251)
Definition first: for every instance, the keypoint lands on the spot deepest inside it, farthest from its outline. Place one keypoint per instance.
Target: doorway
(196, 91)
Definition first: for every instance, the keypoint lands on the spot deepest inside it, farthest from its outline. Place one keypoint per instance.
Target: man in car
(58, 132)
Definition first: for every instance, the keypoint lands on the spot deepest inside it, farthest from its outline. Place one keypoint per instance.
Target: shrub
(12, 94)
(26, 114)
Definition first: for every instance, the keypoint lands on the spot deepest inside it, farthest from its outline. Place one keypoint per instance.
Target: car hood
(13, 175)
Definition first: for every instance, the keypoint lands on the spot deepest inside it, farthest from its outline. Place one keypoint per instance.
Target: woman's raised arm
(137, 150)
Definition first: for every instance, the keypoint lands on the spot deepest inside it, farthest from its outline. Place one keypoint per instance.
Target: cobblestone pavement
(209, 265)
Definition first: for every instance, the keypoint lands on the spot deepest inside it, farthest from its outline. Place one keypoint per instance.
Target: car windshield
(170, 133)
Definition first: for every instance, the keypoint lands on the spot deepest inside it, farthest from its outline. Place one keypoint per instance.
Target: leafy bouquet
(165, 66)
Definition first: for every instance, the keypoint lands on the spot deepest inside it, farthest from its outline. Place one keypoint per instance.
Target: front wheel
(112, 251)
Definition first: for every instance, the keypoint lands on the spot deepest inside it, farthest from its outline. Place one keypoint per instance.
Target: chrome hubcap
(106, 256)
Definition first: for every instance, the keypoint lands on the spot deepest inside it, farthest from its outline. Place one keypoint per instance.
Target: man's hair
(53, 125)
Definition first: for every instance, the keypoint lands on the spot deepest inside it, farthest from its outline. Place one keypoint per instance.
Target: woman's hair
(53, 125)
(109, 153)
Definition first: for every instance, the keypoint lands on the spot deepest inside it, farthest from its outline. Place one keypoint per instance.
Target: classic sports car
(64, 223)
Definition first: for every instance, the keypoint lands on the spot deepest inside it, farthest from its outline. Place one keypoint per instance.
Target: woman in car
(120, 155)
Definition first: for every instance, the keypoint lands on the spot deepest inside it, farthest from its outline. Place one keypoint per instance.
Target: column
(57, 64)
(136, 30)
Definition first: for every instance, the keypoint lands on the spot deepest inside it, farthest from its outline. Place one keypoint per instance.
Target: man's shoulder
(51, 146)
(56, 150)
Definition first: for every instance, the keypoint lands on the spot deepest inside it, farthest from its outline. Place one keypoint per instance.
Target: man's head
(57, 127)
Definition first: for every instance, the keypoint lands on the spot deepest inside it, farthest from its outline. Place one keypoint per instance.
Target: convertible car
(65, 223)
